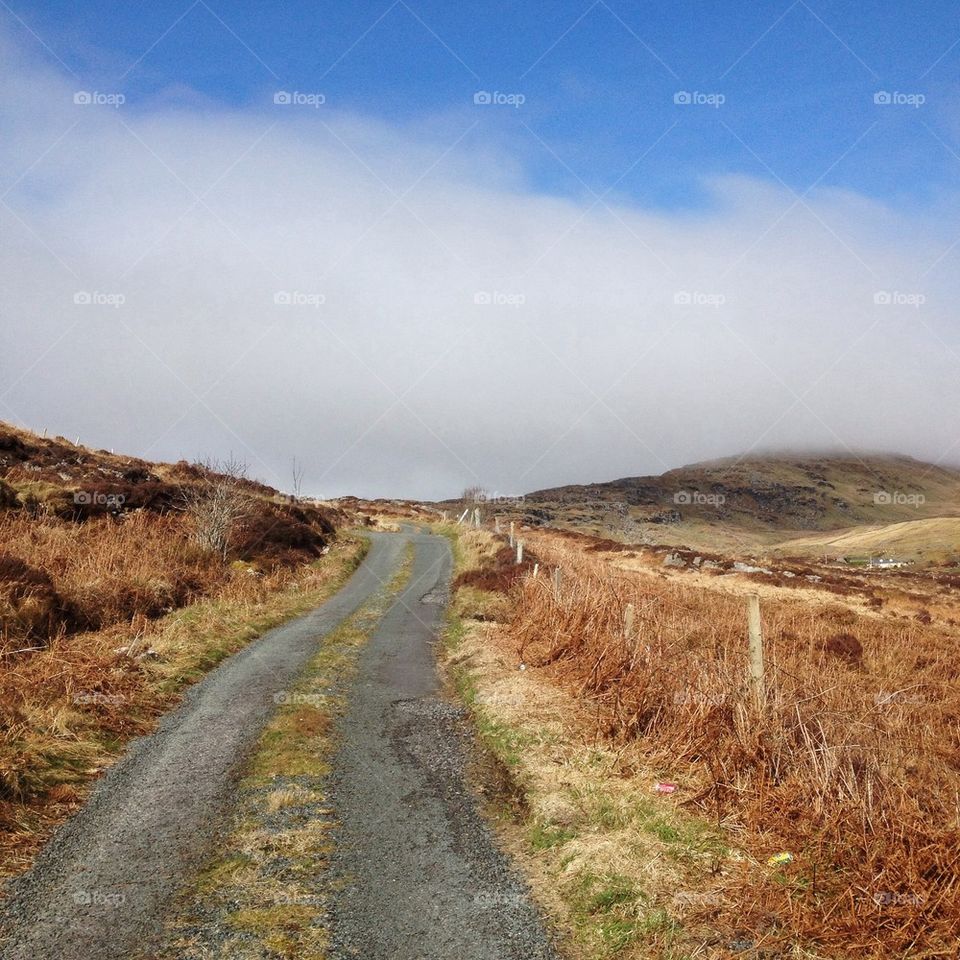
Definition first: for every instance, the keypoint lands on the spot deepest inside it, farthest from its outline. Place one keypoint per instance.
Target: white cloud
(616, 341)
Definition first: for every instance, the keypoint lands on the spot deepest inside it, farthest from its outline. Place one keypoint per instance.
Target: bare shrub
(216, 503)
(298, 471)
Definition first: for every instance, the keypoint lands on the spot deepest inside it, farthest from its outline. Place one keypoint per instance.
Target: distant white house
(887, 563)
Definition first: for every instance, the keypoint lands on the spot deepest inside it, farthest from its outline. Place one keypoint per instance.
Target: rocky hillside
(769, 494)
(89, 538)
(52, 477)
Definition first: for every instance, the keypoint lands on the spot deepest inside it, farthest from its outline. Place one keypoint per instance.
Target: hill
(933, 539)
(121, 582)
(89, 538)
(755, 500)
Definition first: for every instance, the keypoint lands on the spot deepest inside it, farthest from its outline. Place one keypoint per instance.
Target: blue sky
(680, 232)
(599, 80)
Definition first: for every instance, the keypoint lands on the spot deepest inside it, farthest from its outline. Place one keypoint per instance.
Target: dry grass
(851, 763)
(98, 573)
(67, 708)
(615, 866)
(109, 604)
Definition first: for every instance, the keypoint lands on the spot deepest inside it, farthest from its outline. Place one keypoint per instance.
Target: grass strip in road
(264, 895)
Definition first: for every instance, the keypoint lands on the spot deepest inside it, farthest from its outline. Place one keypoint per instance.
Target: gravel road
(417, 870)
(100, 886)
(415, 873)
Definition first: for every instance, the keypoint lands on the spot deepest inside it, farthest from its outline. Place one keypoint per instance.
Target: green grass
(505, 742)
(544, 836)
(454, 632)
(611, 912)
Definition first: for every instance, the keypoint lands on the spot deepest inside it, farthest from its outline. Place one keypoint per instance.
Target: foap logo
(484, 98)
(297, 298)
(698, 698)
(97, 298)
(96, 698)
(886, 98)
(493, 899)
(297, 699)
(503, 699)
(697, 298)
(98, 898)
(892, 698)
(697, 98)
(497, 298)
(501, 499)
(95, 498)
(295, 98)
(696, 498)
(298, 900)
(897, 298)
(892, 898)
(87, 98)
(887, 498)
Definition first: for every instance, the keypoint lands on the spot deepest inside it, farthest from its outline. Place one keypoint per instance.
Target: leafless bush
(298, 470)
(216, 503)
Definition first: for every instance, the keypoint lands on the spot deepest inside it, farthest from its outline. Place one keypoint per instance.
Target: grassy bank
(820, 822)
(619, 868)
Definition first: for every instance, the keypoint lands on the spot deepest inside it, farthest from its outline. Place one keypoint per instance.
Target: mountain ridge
(776, 493)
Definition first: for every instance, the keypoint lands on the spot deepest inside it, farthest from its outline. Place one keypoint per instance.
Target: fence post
(755, 632)
(519, 551)
(496, 524)
(628, 621)
(476, 517)
(557, 577)
(511, 533)
(536, 569)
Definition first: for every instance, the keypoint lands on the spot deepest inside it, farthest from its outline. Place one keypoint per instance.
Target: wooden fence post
(496, 524)
(536, 569)
(476, 517)
(557, 578)
(511, 533)
(519, 551)
(755, 632)
(628, 621)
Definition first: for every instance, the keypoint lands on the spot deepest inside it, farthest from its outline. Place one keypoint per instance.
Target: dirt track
(416, 871)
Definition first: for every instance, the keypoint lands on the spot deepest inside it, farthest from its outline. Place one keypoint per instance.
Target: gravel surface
(100, 887)
(417, 870)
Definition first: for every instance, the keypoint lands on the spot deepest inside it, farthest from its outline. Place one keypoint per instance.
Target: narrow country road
(415, 872)
(99, 888)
